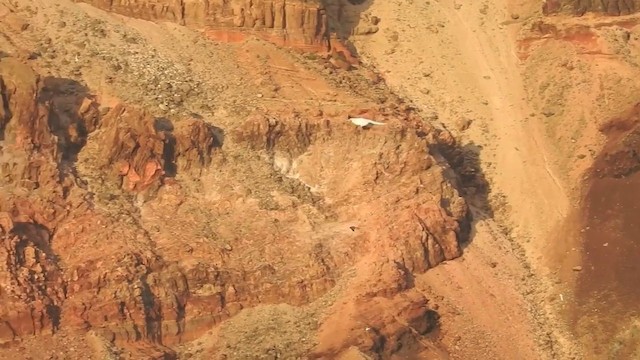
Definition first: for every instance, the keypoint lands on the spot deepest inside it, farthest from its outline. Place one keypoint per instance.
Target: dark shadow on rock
(606, 291)
(65, 97)
(54, 312)
(5, 109)
(218, 133)
(165, 127)
(170, 154)
(162, 124)
(37, 234)
(472, 184)
(344, 18)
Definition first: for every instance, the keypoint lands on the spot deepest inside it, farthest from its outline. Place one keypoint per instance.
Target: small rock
(259, 95)
(515, 16)
(431, 116)
(24, 26)
(375, 20)
(577, 268)
(464, 123)
(62, 24)
(185, 88)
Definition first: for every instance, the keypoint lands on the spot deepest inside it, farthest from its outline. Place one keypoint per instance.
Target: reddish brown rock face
(580, 7)
(299, 24)
(45, 124)
(80, 248)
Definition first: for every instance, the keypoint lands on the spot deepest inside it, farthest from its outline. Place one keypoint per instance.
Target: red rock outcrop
(46, 219)
(31, 203)
(302, 24)
(401, 156)
(143, 150)
(80, 252)
(384, 182)
(580, 7)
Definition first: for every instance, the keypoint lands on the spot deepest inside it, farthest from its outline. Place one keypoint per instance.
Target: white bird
(362, 122)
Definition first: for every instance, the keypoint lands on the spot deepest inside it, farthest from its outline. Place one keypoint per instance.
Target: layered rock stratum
(311, 25)
(166, 194)
(580, 7)
(152, 230)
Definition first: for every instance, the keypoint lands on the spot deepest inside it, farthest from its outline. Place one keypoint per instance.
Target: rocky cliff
(580, 7)
(298, 23)
(48, 216)
(151, 231)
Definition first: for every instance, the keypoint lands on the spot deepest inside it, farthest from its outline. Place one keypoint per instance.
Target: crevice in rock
(5, 112)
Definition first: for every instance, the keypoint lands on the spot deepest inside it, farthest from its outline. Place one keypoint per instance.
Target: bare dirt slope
(464, 70)
(531, 93)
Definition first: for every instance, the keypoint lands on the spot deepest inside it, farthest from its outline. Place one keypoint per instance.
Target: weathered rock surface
(145, 149)
(45, 123)
(580, 7)
(83, 250)
(301, 24)
(31, 203)
(297, 146)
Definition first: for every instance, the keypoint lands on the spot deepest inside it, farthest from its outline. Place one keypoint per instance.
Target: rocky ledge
(580, 7)
(302, 24)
